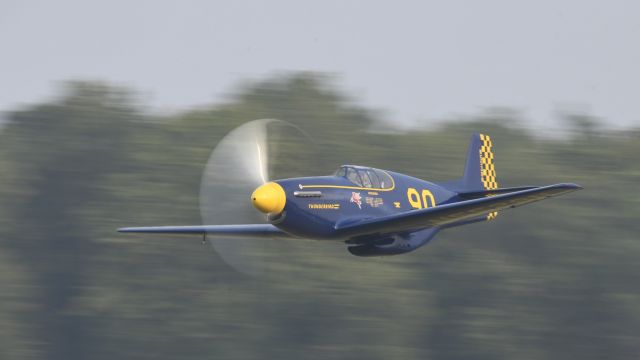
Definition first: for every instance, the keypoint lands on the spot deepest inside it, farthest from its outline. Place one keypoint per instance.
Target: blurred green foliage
(554, 280)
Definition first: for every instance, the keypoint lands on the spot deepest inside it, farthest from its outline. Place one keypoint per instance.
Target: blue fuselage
(315, 205)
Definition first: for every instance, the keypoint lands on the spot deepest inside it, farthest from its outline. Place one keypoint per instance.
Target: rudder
(479, 170)
(487, 168)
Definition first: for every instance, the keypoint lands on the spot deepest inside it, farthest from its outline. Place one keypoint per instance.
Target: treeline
(553, 280)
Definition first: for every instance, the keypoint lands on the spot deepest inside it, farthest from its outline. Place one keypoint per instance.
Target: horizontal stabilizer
(468, 195)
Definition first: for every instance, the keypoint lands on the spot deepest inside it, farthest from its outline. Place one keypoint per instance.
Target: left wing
(248, 230)
(446, 214)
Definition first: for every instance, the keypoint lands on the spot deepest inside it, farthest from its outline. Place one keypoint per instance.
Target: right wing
(446, 214)
(248, 230)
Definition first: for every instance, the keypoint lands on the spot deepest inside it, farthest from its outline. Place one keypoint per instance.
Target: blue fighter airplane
(374, 212)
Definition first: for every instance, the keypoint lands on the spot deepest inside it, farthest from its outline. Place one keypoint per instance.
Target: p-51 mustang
(375, 212)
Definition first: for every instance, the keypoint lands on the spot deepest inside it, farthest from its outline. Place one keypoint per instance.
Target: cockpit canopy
(365, 177)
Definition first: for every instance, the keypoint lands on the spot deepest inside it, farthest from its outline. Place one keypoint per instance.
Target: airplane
(374, 212)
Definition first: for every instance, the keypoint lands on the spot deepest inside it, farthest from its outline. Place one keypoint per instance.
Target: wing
(449, 213)
(248, 230)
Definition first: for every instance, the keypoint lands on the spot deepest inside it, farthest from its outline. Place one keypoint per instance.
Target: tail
(479, 170)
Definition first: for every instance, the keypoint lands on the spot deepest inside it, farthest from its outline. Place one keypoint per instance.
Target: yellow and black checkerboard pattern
(487, 169)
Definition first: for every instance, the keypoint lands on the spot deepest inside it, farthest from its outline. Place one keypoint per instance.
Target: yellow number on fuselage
(427, 200)
(414, 198)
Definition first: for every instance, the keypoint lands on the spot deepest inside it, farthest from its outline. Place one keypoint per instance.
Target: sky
(416, 61)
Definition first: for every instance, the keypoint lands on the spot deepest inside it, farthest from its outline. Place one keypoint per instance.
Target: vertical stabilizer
(479, 170)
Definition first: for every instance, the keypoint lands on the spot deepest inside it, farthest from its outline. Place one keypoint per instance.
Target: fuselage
(315, 205)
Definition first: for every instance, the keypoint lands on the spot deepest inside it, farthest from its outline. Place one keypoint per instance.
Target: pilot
(366, 182)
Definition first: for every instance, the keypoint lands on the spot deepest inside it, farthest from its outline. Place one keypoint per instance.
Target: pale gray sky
(415, 59)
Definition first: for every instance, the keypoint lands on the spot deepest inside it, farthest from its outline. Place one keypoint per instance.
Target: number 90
(420, 202)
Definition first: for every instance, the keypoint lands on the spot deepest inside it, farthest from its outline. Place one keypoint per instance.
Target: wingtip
(574, 186)
(569, 186)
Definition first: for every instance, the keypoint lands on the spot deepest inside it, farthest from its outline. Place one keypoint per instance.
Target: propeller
(240, 163)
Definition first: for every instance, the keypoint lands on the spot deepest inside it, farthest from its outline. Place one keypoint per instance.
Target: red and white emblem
(356, 199)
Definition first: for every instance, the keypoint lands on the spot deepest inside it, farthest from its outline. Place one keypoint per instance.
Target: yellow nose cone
(269, 198)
